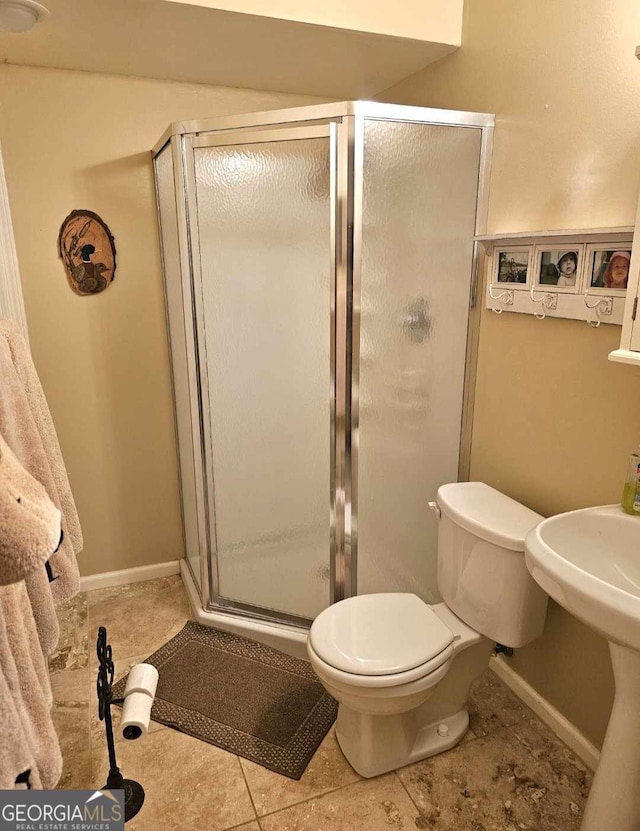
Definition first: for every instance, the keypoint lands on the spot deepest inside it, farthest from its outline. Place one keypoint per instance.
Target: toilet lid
(379, 634)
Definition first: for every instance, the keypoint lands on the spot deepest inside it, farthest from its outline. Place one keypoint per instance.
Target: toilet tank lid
(487, 513)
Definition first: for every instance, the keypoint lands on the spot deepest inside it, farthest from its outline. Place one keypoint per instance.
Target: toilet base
(375, 744)
(378, 744)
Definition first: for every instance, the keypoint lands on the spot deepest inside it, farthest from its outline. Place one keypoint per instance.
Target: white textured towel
(29, 740)
(30, 524)
(27, 427)
(29, 534)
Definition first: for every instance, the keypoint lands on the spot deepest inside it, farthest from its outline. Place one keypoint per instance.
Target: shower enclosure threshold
(286, 638)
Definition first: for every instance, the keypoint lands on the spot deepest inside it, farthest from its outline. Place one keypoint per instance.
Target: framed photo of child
(608, 269)
(511, 266)
(559, 268)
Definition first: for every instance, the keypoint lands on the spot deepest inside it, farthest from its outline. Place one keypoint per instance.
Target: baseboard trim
(107, 579)
(552, 717)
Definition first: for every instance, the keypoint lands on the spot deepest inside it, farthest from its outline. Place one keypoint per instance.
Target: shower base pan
(289, 639)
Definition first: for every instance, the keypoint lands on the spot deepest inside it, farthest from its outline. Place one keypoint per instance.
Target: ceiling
(180, 42)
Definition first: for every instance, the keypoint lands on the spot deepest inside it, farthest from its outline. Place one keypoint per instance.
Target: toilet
(401, 669)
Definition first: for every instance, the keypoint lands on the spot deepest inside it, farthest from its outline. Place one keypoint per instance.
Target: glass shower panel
(418, 219)
(265, 243)
(168, 219)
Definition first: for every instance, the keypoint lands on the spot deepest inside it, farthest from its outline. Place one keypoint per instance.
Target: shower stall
(319, 267)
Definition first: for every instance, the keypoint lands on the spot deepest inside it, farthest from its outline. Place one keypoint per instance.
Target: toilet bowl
(393, 718)
(401, 669)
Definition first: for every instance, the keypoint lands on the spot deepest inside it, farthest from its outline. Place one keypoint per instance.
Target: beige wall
(437, 20)
(79, 140)
(554, 420)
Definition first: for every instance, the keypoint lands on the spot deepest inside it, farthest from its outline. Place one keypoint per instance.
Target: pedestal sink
(589, 562)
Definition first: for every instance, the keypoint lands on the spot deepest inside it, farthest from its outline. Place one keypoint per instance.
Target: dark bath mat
(242, 696)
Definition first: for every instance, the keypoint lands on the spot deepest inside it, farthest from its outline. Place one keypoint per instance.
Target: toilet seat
(381, 639)
(424, 676)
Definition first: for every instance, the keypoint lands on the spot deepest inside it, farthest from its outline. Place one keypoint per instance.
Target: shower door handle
(416, 322)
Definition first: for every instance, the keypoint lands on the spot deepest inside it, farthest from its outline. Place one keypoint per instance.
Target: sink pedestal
(587, 560)
(614, 800)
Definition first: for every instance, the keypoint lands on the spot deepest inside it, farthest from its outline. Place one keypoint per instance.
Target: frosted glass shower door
(262, 252)
(419, 193)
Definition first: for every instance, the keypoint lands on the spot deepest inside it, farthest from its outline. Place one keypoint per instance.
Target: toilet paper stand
(133, 791)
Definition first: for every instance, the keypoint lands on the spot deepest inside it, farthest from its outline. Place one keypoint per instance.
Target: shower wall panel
(419, 193)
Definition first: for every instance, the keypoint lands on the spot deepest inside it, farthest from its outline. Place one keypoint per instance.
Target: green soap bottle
(631, 492)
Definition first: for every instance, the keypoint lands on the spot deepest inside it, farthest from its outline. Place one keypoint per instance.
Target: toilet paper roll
(143, 678)
(136, 714)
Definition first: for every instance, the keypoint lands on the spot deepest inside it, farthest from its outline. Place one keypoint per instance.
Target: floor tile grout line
(520, 742)
(315, 796)
(242, 825)
(399, 778)
(529, 750)
(530, 716)
(246, 784)
(413, 802)
(92, 689)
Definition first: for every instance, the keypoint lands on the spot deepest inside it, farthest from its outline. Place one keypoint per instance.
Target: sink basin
(588, 561)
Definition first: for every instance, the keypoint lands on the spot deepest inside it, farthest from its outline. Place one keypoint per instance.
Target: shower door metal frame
(344, 124)
(196, 449)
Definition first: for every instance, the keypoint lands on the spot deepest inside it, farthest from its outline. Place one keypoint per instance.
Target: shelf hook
(505, 297)
(603, 306)
(548, 300)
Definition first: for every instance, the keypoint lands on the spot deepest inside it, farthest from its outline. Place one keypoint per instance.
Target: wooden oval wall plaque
(88, 252)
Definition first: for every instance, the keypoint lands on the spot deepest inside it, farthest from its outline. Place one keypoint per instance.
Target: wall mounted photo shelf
(580, 275)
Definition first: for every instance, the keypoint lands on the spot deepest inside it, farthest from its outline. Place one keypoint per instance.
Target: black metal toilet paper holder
(133, 791)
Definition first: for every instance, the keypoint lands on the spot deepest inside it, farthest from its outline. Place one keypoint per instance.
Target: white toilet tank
(482, 575)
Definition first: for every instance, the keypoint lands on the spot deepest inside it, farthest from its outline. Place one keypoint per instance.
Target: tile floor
(510, 773)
